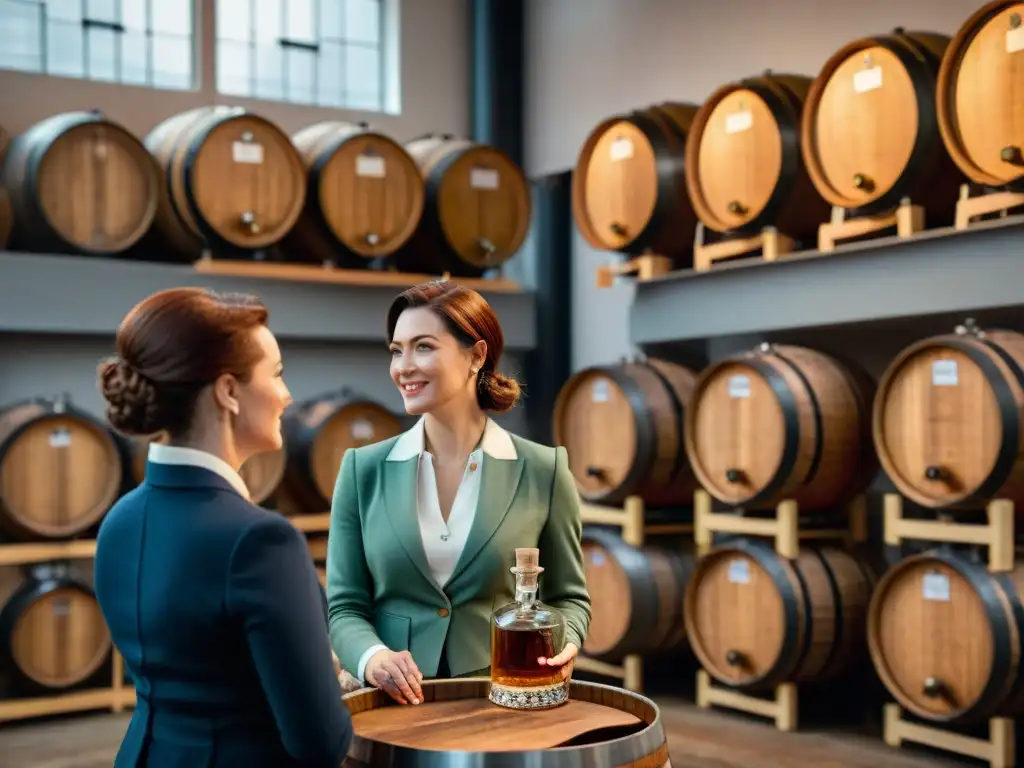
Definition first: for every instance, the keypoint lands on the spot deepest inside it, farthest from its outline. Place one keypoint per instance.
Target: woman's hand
(566, 659)
(396, 674)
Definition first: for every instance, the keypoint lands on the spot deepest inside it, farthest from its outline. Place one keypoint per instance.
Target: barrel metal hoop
(791, 425)
(819, 425)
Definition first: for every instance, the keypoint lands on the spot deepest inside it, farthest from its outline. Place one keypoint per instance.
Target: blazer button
(442, 612)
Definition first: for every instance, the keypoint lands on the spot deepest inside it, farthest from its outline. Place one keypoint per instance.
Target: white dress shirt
(193, 457)
(443, 542)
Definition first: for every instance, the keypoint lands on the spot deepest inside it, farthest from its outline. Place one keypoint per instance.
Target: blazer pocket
(393, 630)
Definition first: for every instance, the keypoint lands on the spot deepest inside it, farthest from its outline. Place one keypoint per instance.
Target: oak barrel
(318, 431)
(636, 594)
(364, 196)
(782, 422)
(629, 189)
(622, 426)
(52, 632)
(945, 634)
(870, 134)
(949, 419)
(477, 212)
(79, 182)
(234, 182)
(61, 469)
(756, 619)
(599, 725)
(744, 166)
(980, 99)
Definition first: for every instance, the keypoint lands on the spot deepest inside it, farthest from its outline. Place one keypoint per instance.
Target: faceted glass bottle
(522, 632)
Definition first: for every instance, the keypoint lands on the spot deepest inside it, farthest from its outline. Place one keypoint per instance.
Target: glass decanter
(522, 632)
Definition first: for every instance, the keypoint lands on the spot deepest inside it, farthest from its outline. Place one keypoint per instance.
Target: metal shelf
(874, 282)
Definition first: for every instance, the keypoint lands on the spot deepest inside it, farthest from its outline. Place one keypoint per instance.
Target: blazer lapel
(498, 488)
(399, 488)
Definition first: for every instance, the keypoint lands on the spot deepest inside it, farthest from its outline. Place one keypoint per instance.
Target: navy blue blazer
(216, 607)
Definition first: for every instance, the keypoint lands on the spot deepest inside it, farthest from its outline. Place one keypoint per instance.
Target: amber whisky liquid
(514, 654)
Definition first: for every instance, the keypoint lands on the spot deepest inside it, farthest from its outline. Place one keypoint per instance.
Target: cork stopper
(528, 561)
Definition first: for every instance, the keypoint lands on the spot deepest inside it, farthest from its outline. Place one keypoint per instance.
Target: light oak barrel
(622, 426)
(629, 189)
(233, 182)
(756, 619)
(782, 422)
(949, 420)
(477, 212)
(980, 99)
(744, 166)
(317, 433)
(870, 132)
(61, 469)
(599, 725)
(945, 637)
(364, 195)
(79, 182)
(52, 632)
(636, 594)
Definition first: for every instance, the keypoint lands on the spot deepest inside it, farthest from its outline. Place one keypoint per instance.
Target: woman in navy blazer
(213, 601)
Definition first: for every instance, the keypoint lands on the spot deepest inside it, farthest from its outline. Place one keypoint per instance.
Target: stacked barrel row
(945, 422)
(906, 115)
(61, 469)
(225, 181)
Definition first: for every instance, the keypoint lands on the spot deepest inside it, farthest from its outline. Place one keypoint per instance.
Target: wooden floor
(697, 739)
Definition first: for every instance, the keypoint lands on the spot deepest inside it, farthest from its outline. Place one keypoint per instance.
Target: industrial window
(326, 53)
(137, 42)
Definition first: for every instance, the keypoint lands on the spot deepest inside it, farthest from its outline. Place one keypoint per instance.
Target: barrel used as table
(870, 133)
(948, 419)
(629, 189)
(457, 725)
(979, 95)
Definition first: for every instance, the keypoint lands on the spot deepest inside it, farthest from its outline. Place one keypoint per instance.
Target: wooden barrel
(317, 434)
(870, 134)
(629, 189)
(945, 637)
(637, 596)
(6, 218)
(477, 211)
(364, 196)
(949, 419)
(60, 469)
(623, 428)
(52, 632)
(744, 167)
(978, 99)
(80, 183)
(778, 423)
(235, 183)
(599, 725)
(755, 619)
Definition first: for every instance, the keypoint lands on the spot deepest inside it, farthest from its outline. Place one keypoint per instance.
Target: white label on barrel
(621, 149)
(61, 607)
(739, 572)
(739, 386)
(370, 166)
(738, 122)
(599, 392)
(944, 373)
(1015, 40)
(362, 429)
(247, 152)
(597, 557)
(935, 586)
(869, 79)
(60, 438)
(483, 178)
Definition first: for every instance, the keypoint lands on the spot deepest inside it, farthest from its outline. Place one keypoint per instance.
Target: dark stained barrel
(756, 619)
(79, 182)
(52, 632)
(629, 189)
(364, 195)
(61, 469)
(599, 725)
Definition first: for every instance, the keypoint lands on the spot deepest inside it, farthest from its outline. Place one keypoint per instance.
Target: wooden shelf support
(769, 242)
(969, 208)
(906, 217)
(643, 267)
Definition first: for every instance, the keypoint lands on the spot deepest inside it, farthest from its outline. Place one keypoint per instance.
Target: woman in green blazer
(423, 525)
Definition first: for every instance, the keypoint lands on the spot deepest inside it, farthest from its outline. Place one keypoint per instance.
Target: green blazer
(379, 586)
